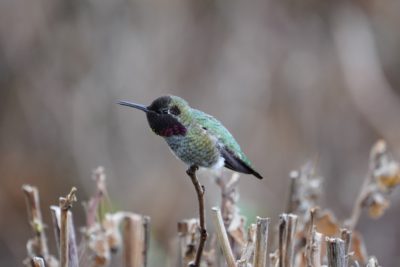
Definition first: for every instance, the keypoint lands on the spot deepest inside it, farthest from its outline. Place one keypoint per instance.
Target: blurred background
(292, 80)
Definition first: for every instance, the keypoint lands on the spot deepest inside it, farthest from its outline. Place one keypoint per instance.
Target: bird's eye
(175, 110)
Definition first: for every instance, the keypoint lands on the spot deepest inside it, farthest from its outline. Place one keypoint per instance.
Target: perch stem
(191, 172)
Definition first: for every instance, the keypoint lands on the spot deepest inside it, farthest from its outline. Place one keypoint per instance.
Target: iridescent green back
(214, 127)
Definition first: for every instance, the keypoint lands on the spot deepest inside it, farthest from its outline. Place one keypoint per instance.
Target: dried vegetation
(306, 235)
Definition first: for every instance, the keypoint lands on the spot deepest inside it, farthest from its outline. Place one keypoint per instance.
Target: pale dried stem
(146, 229)
(35, 218)
(248, 250)
(191, 172)
(287, 230)
(101, 192)
(260, 251)
(274, 259)
(187, 230)
(228, 196)
(37, 262)
(234, 223)
(293, 192)
(73, 248)
(314, 239)
(290, 238)
(101, 234)
(316, 249)
(73, 258)
(335, 252)
(242, 263)
(372, 262)
(66, 251)
(357, 209)
(222, 236)
(346, 235)
(64, 248)
(56, 217)
(133, 234)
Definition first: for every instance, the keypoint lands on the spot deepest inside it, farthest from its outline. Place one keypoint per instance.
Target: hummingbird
(196, 138)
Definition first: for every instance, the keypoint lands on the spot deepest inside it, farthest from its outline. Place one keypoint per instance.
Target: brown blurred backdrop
(292, 80)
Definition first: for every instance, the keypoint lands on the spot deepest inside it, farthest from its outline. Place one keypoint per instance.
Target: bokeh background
(292, 80)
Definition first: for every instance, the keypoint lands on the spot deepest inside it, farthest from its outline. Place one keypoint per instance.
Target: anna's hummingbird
(195, 137)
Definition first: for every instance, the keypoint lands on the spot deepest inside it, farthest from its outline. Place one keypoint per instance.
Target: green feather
(215, 128)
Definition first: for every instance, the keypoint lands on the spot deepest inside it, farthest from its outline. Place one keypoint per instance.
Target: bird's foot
(192, 170)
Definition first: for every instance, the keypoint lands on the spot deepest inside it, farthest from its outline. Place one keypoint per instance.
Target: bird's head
(167, 115)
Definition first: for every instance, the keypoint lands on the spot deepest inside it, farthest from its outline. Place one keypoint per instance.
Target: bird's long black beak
(133, 105)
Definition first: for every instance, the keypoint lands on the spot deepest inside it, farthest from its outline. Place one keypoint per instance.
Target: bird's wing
(235, 159)
(215, 128)
(234, 163)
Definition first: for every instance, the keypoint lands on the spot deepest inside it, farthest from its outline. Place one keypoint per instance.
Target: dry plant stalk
(222, 236)
(233, 221)
(93, 204)
(110, 229)
(37, 247)
(305, 189)
(241, 263)
(328, 225)
(107, 238)
(35, 214)
(56, 218)
(372, 262)
(335, 248)
(68, 250)
(313, 246)
(37, 262)
(101, 235)
(274, 259)
(248, 250)
(95, 249)
(146, 229)
(287, 230)
(260, 251)
(382, 177)
(191, 172)
(187, 232)
(299, 241)
(134, 236)
(316, 249)
(345, 235)
(361, 198)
